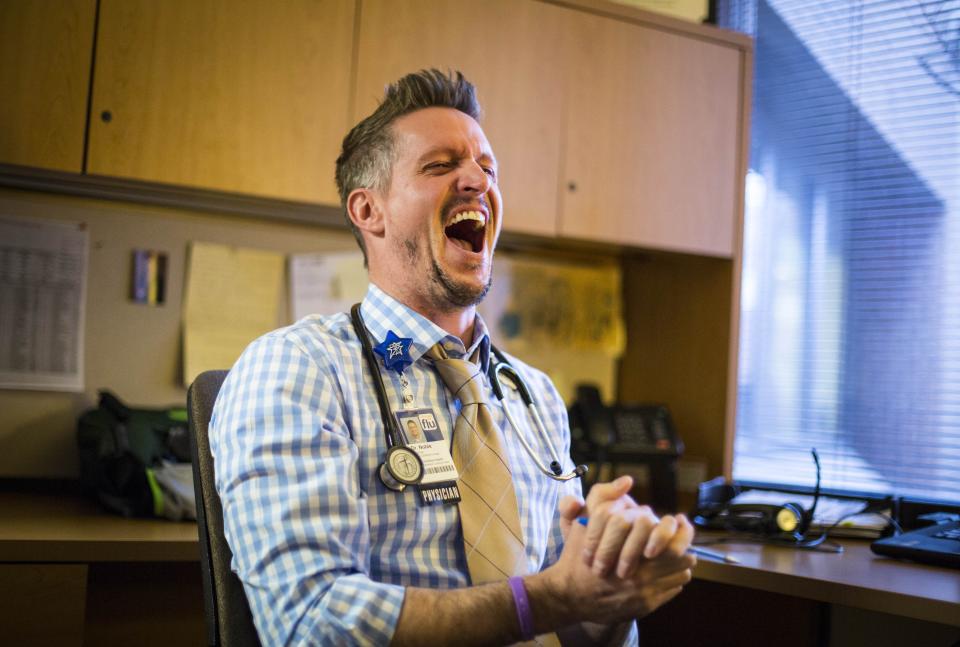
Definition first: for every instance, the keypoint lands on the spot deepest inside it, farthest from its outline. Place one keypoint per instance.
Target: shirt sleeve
(295, 515)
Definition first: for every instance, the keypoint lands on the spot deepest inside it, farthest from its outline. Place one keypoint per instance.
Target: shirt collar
(381, 313)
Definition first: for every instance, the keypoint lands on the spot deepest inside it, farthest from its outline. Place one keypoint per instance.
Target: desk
(64, 528)
(73, 574)
(112, 580)
(801, 598)
(856, 578)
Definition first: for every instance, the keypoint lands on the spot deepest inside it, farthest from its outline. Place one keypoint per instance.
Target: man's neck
(456, 321)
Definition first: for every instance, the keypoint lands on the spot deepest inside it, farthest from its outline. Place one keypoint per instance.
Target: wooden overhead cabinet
(654, 123)
(623, 130)
(609, 124)
(241, 96)
(510, 50)
(45, 52)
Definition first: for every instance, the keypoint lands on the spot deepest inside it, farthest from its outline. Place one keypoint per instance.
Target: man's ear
(363, 207)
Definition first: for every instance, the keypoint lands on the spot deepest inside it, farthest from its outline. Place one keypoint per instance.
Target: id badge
(422, 434)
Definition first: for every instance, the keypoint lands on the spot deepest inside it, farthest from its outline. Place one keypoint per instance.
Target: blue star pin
(395, 351)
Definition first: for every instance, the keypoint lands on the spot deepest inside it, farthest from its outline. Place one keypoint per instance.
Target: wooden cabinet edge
(167, 195)
(655, 20)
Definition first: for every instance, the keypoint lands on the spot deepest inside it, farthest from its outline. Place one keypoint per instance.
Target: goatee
(459, 294)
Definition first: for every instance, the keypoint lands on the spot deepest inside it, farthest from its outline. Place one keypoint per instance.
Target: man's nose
(473, 178)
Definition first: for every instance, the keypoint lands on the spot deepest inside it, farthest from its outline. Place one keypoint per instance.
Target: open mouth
(467, 229)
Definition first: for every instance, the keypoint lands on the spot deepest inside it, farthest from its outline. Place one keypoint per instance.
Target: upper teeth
(476, 216)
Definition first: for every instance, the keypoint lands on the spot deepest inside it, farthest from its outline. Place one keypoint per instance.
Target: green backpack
(136, 462)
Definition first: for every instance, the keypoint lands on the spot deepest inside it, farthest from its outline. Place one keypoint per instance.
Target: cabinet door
(242, 96)
(45, 53)
(653, 127)
(509, 50)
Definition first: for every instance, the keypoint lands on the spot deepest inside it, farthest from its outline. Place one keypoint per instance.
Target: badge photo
(419, 426)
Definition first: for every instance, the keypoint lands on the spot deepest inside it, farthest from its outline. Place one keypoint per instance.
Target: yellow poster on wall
(562, 317)
(233, 296)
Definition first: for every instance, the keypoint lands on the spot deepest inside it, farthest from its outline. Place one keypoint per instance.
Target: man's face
(442, 210)
(413, 429)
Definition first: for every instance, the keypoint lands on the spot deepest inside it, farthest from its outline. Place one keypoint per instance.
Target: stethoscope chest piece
(402, 467)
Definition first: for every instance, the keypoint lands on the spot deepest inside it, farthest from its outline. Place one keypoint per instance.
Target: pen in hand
(693, 550)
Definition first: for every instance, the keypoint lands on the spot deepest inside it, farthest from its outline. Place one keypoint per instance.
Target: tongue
(462, 244)
(465, 234)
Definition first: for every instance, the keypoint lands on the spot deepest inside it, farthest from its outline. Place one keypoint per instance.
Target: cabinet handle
(106, 116)
(571, 186)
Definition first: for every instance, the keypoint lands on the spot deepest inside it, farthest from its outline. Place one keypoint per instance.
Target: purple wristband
(524, 612)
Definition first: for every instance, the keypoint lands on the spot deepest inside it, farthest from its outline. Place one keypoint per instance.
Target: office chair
(228, 617)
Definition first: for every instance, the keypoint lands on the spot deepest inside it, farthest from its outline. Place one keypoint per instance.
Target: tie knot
(462, 377)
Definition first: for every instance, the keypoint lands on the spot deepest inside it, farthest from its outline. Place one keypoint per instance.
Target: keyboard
(938, 544)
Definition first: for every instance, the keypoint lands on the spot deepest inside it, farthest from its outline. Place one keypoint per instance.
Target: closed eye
(439, 166)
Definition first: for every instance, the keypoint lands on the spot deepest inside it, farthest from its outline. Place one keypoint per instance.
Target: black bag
(121, 449)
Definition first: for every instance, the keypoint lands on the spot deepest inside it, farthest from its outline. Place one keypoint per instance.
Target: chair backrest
(229, 621)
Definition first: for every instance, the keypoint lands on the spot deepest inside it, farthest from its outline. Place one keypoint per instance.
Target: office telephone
(627, 434)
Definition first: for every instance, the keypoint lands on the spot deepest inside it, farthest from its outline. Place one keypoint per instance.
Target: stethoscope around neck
(398, 455)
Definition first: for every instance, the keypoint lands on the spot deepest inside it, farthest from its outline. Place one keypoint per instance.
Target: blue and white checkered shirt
(324, 550)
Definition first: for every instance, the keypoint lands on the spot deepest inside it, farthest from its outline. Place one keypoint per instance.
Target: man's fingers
(606, 492)
(665, 565)
(603, 500)
(661, 536)
(678, 544)
(636, 541)
(615, 532)
(683, 537)
(621, 515)
(570, 507)
(679, 578)
(596, 523)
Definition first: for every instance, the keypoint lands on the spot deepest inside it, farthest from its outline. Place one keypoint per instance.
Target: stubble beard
(459, 294)
(447, 293)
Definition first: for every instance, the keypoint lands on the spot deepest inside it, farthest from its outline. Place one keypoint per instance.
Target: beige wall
(132, 349)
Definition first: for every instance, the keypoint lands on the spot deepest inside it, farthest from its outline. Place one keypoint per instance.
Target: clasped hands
(626, 562)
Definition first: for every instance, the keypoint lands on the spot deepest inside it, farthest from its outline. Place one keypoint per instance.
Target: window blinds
(850, 312)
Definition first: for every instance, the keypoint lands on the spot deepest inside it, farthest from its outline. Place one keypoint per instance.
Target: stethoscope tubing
(389, 424)
(392, 433)
(502, 366)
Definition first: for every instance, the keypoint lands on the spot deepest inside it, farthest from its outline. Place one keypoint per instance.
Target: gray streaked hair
(368, 153)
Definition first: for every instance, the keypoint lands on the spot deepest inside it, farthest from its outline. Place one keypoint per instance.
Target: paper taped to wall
(43, 278)
(232, 297)
(326, 283)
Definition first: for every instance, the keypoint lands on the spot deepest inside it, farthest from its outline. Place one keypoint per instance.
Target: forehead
(440, 130)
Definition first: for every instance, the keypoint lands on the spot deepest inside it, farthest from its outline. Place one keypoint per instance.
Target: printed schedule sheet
(43, 277)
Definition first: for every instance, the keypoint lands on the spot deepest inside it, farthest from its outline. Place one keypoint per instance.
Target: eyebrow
(456, 153)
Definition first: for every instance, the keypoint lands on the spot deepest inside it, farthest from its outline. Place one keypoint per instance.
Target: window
(850, 309)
